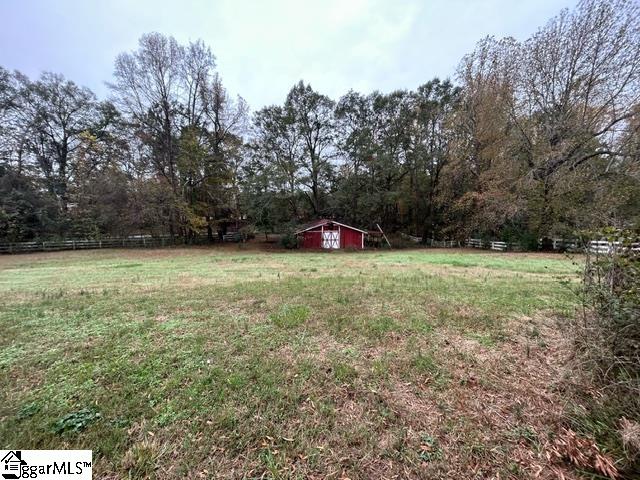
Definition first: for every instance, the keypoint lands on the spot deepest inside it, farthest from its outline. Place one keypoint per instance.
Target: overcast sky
(264, 47)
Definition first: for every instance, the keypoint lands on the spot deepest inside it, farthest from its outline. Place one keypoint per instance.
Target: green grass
(170, 363)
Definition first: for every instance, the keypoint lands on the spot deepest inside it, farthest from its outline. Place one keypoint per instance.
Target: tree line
(531, 139)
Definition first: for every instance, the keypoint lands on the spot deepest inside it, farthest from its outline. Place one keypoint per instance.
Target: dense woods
(530, 139)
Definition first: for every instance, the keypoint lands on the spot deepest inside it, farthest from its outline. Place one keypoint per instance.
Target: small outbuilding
(330, 234)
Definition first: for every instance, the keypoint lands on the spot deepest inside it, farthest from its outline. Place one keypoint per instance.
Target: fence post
(73, 243)
(43, 246)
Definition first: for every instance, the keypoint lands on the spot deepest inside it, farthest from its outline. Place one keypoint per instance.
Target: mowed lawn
(234, 363)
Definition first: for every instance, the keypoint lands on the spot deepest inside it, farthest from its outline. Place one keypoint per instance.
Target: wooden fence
(444, 243)
(557, 244)
(431, 242)
(411, 238)
(471, 242)
(234, 237)
(570, 244)
(475, 243)
(595, 246)
(87, 244)
(606, 247)
(492, 245)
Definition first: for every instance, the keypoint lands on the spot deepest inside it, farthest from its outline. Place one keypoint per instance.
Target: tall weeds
(607, 333)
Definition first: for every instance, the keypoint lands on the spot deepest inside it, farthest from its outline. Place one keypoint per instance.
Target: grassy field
(231, 363)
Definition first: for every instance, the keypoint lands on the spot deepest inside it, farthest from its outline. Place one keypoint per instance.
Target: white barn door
(330, 239)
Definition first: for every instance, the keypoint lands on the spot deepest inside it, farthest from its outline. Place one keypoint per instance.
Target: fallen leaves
(583, 453)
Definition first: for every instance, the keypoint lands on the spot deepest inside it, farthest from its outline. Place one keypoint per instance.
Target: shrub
(607, 333)
(289, 241)
(519, 234)
(528, 241)
(249, 232)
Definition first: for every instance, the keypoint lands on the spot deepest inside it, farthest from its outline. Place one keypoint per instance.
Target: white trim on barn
(324, 222)
(315, 235)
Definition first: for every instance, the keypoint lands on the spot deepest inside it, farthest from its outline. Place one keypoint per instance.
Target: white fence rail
(557, 244)
(492, 245)
(500, 246)
(560, 244)
(595, 246)
(444, 243)
(431, 242)
(234, 237)
(564, 244)
(606, 247)
(475, 243)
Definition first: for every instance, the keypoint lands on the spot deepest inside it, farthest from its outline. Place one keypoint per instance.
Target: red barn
(331, 235)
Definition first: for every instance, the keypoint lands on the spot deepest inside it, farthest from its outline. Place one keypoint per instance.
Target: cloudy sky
(264, 47)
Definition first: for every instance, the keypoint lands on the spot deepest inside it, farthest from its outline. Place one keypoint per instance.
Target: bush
(607, 334)
(289, 241)
(249, 232)
(528, 241)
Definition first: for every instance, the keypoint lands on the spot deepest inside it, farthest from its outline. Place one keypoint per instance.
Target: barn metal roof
(324, 221)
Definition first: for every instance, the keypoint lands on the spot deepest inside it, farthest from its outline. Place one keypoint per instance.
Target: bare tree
(159, 87)
(197, 72)
(579, 82)
(146, 87)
